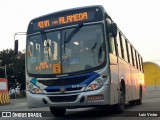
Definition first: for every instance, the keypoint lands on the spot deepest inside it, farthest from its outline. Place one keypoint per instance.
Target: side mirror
(16, 46)
(114, 29)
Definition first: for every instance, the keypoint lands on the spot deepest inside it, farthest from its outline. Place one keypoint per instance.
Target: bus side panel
(114, 79)
(124, 74)
(142, 82)
(135, 83)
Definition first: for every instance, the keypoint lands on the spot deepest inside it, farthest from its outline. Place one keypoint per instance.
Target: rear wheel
(131, 103)
(58, 112)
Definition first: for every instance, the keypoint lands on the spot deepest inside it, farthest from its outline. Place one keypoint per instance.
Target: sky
(139, 20)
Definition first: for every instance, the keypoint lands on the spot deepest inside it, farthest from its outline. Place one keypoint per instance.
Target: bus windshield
(49, 53)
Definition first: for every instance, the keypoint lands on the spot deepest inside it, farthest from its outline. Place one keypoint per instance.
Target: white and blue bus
(80, 58)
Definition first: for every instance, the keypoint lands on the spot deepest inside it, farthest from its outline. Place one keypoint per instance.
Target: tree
(15, 67)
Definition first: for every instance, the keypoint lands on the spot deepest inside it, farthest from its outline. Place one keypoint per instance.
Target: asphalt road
(148, 111)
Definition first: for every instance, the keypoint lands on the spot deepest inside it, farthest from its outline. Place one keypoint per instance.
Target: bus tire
(121, 105)
(58, 112)
(131, 103)
(139, 101)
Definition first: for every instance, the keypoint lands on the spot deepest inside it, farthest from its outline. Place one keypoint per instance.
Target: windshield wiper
(69, 37)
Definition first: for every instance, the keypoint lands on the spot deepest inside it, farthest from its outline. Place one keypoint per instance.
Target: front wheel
(58, 112)
(131, 103)
(121, 105)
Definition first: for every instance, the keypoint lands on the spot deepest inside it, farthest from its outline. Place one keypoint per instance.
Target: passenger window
(137, 60)
(141, 61)
(119, 45)
(128, 53)
(124, 49)
(140, 64)
(132, 55)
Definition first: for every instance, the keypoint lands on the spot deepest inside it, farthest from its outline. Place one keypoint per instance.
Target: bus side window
(137, 65)
(140, 64)
(141, 60)
(128, 54)
(124, 49)
(119, 45)
(133, 63)
(116, 45)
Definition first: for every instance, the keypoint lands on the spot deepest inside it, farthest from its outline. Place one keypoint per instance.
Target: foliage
(15, 68)
(22, 94)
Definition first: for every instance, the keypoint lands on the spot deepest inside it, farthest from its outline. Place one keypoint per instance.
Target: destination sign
(63, 18)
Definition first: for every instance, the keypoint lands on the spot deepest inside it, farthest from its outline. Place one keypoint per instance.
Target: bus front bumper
(79, 99)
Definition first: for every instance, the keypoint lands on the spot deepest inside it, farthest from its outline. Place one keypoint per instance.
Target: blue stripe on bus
(92, 77)
(34, 81)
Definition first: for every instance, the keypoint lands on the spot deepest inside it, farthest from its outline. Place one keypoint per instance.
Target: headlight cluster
(97, 83)
(34, 89)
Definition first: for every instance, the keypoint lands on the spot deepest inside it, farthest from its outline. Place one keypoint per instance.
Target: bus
(80, 58)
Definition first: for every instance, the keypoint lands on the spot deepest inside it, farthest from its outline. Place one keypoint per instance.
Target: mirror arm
(16, 41)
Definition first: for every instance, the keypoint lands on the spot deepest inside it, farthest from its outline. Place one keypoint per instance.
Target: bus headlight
(34, 89)
(96, 84)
